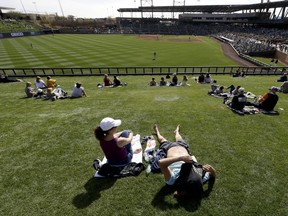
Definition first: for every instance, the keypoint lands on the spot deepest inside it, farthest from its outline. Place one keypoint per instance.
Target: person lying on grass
(180, 167)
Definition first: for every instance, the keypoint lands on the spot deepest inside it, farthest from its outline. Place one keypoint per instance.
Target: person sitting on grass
(29, 90)
(115, 145)
(51, 83)
(107, 81)
(39, 83)
(239, 100)
(116, 81)
(283, 78)
(153, 82)
(162, 82)
(180, 168)
(268, 101)
(78, 91)
(284, 87)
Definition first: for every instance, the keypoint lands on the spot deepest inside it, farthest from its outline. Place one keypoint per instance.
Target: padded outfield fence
(155, 70)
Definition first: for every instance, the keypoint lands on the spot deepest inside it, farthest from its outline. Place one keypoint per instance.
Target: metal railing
(142, 70)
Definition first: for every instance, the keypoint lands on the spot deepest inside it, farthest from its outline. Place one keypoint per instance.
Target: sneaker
(96, 164)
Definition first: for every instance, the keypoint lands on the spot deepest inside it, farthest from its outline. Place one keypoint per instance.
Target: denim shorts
(165, 146)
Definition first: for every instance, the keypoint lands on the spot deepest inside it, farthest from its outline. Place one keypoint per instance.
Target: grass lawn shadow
(160, 201)
(93, 188)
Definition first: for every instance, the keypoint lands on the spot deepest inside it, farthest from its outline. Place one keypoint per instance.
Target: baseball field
(47, 147)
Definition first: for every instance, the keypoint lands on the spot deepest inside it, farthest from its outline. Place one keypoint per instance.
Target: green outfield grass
(47, 148)
(109, 50)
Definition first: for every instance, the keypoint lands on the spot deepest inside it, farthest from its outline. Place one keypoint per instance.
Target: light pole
(61, 8)
(23, 7)
(35, 7)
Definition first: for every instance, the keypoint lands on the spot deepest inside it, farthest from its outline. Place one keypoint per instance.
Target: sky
(102, 8)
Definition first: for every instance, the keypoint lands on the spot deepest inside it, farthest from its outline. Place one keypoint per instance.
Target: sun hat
(108, 123)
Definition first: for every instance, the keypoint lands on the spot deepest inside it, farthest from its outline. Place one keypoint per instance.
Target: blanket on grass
(250, 110)
(132, 169)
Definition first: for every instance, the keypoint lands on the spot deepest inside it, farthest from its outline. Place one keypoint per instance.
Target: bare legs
(161, 139)
(177, 134)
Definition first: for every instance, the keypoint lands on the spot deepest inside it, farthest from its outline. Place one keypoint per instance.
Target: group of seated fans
(237, 99)
(108, 83)
(173, 82)
(51, 90)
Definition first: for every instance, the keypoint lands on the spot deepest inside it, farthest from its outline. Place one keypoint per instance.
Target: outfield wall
(20, 34)
(155, 70)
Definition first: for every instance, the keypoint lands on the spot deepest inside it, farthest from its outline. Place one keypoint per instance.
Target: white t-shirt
(40, 84)
(77, 92)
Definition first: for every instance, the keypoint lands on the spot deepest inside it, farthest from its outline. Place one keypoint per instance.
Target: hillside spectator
(116, 81)
(284, 87)
(115, 145)
(283, 78)
(39, 83)
(29, 90)
(201, 78)
(207, 78)
(78, 91)
(5, 79)
(239, 100)
(153, 82)
(107, 81)
(184, 81)
(51, 83)
(180, 168)
(268, 101)
(162, 82)
(174, 80)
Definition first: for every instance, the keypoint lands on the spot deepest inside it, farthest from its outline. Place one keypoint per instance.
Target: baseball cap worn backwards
(109, 123)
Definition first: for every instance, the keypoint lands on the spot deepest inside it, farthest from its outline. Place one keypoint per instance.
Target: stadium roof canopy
(6, 8)
(208, 8)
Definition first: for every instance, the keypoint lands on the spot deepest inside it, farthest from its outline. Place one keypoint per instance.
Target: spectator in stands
(268, 101)
(78, 91)
(283, 78)
(207, 78)
(284, 87)
(107, 81)
(180, 168)
(162, 82)
(39, 83)
(153, 82)
(201, 78)
(115, 145)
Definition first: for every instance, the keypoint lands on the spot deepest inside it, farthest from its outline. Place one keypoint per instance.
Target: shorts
(165, 146)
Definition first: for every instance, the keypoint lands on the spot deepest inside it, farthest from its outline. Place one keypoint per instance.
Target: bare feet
(155, 130)
(177, 129)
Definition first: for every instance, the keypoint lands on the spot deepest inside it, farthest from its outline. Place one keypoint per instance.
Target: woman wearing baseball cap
(115, 145)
